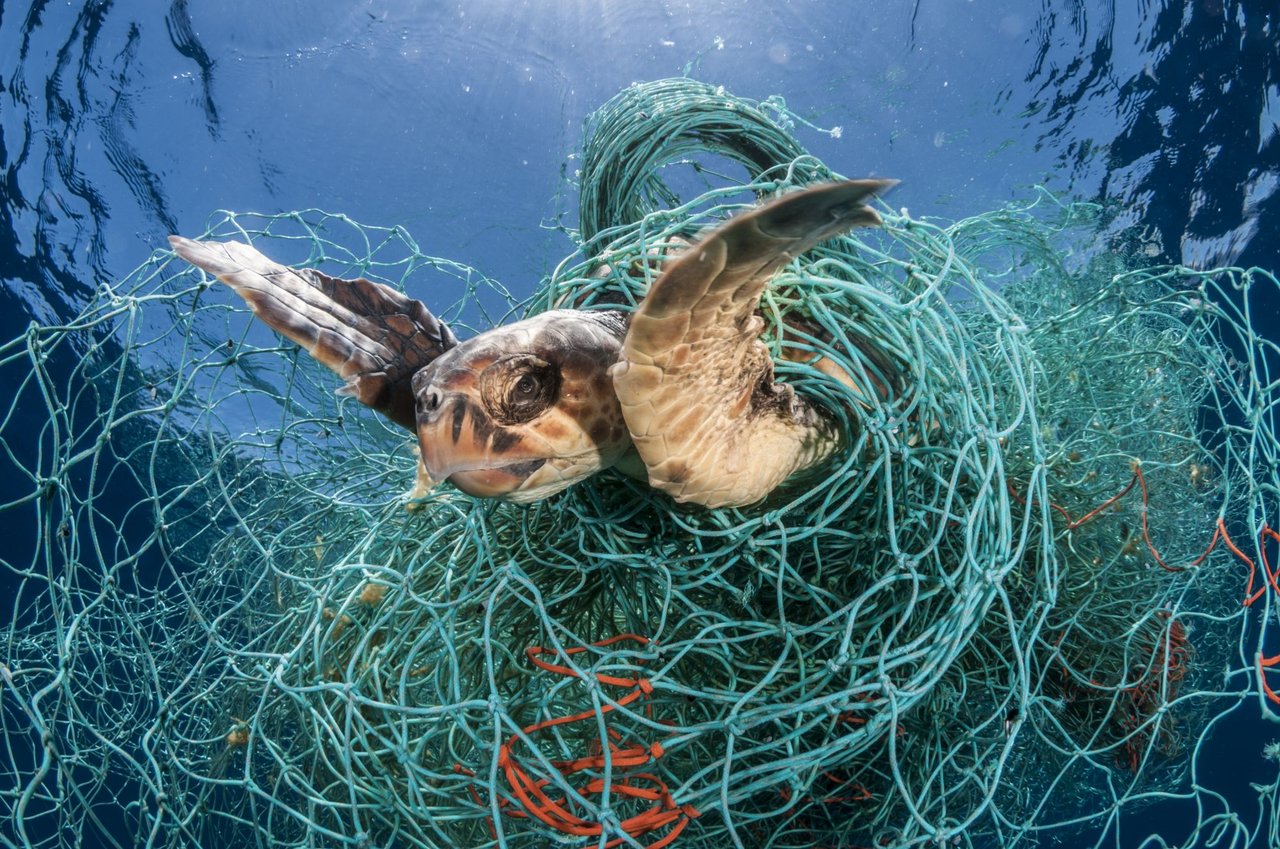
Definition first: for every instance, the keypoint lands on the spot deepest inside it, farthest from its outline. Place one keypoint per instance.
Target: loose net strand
(1002, 614)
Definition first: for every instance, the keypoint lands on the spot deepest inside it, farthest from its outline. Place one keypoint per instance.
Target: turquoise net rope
(990, 620)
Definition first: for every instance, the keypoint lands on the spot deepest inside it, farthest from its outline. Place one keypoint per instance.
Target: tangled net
(1002, 614)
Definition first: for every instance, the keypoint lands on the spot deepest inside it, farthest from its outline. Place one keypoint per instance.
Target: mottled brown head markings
(524, 410)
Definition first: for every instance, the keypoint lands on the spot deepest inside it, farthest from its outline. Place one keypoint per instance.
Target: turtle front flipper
(369, 334)
(695, 382)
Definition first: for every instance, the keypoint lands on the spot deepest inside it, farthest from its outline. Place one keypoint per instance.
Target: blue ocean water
(121, 123)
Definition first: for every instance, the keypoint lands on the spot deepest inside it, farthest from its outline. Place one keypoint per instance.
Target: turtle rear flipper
(369, 334)
(695, 382)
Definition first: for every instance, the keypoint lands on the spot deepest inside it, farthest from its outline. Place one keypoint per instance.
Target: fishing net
(1003, 613)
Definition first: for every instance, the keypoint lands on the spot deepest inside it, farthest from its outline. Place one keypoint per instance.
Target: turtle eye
(526, 387)
(518, 388)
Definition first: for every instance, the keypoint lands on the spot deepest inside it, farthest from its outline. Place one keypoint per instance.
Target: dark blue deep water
(122, 122)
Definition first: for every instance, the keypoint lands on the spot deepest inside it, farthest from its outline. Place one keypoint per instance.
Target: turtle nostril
(430, 400)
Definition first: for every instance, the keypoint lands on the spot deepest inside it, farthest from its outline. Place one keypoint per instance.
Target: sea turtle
(679, 393)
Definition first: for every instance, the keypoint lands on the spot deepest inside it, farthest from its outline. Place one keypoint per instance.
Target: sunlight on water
(160, 446)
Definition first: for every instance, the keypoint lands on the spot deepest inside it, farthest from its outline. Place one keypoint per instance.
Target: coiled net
(1003, 613)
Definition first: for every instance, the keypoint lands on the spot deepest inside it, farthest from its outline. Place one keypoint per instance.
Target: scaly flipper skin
(371, 335)
(694, 381)
(522, 411)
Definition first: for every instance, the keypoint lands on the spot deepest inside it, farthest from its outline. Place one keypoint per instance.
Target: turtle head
(523, 411)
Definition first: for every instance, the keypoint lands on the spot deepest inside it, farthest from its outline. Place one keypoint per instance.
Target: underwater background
(121, 123)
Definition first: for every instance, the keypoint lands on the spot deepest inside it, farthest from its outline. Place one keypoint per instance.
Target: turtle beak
(495, 483)
(459, 443)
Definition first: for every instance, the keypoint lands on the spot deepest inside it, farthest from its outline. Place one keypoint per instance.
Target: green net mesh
(1004, 613)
